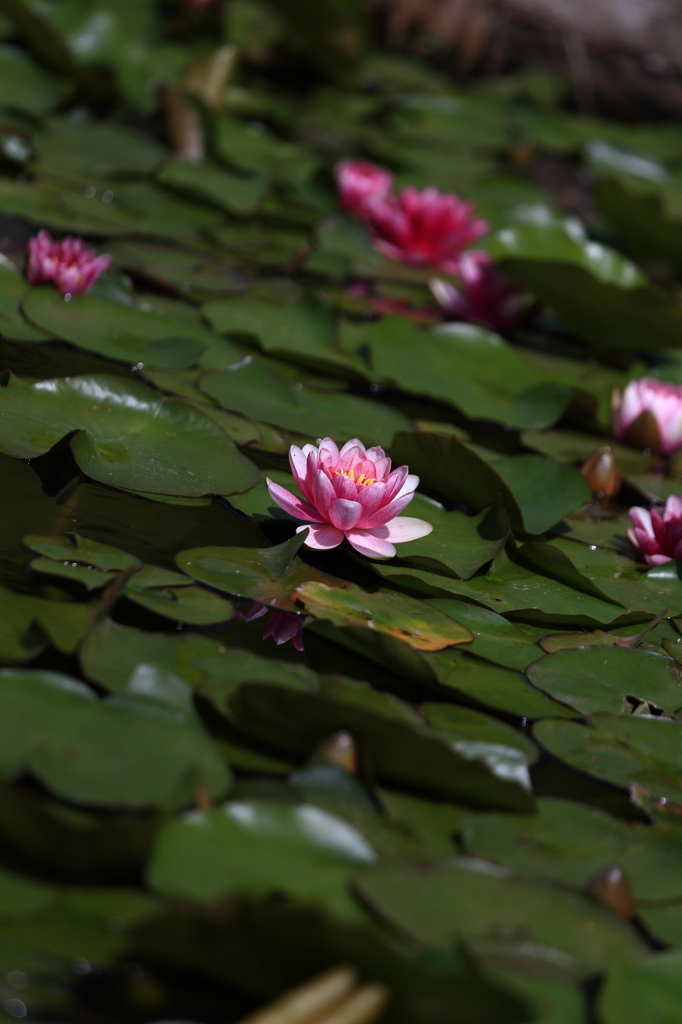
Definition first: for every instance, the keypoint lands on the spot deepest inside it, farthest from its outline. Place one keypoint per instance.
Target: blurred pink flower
(487, 298)
(358, 181)
(662, 400)
(280, 626)
(70, 264)
(423, 228)
(658, 537)
(350, 493)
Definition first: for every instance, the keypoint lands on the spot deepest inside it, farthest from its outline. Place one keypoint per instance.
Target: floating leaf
(536, 491)
(161, 752)
(468, 367)
(125, 435)
(259, 848)
(403, 617)
(500, 916)
(603, 297)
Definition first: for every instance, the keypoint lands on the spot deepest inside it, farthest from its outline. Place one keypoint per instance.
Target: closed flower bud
(612, 889)
(648, 415)
(603, 473)
(341, 750)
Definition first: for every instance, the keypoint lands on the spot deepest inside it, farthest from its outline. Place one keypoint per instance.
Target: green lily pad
(424, 628)
(159, 747)
(536, 491)
(510, 588)
(88, 148)
(592, 679)
(619, 755)
(26, 87)
(259, 848)
(257, 391)
(116, 331)
(402, 751)
(468, 367)
(459, 544)
(494, 687)
(187, 271)
(306, 331)
(651, 993)
(599, 293)
(230, 192)
(13, 324)
(506, 920)
(126, 435)
(111, 652)
(510, 644)
(268, 575)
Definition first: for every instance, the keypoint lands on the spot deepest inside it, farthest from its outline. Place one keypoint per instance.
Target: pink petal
(322, 492)
(345, 514)
(322, 536)
(395, 481)
(641, 518)
(291, 504)
(349, 445)
(344, 487)
(256, 611)
(407, 528)
(329, 449)
(371, 498)
(369, 543)
(657, 559)
(388, 512)
(281, 627)
(673, 508)
(410, 485)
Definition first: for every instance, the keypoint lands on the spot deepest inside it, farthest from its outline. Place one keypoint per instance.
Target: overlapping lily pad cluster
(458, 766)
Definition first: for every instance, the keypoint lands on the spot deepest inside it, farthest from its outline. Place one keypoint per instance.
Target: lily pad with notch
(124, 434)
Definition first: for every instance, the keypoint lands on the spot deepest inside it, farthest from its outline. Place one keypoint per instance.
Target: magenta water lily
(281, 626)
(422, 228)
(70, 264)
(351, 493)
(486, 297)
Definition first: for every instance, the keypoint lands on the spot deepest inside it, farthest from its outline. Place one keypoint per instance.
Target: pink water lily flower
(658, 537)
(70, 264)
(662, 400)
(358, 181)
(281, 626)
(423, 229)
(487, 297)
(350, 493)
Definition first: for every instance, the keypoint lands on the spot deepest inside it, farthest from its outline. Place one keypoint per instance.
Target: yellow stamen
(350, 473)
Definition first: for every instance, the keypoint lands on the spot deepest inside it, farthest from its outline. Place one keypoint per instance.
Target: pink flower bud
(487, 297)
(661, 430)
(350, 493)
(281, 626)
(70, 264)
(658, 537)
(423, 228)
(358, 181)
